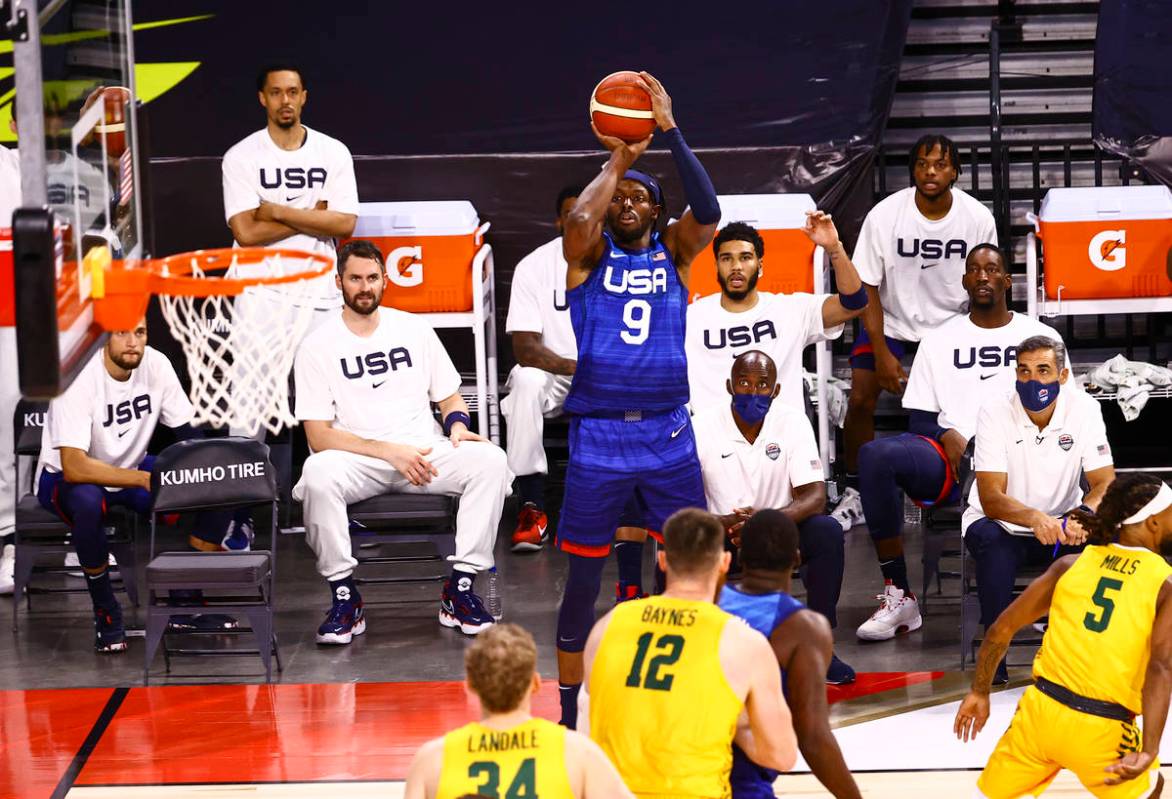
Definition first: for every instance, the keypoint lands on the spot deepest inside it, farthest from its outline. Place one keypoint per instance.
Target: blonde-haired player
(672, 680)
(1106, 658)
(508, 753)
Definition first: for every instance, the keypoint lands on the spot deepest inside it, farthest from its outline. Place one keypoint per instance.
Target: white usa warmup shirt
(111, 420)
(763, 474)
(537, 303)
(380, 387)
(917, 263)
(1043, 466)
(780, 325)
(256, 169)
(960, 367)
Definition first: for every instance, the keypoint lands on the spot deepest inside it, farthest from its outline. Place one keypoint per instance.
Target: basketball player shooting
(630, 434)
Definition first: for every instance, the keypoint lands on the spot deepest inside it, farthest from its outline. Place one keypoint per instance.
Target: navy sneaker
(109, 635)
(344, 620)
(839, 673)
(239, 536)
(463, 609)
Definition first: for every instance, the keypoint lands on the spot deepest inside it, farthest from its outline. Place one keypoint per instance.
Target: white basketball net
(240, 349)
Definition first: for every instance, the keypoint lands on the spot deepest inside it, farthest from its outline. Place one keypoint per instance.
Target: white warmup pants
(475, 471)
(534, 396)
(9, 397)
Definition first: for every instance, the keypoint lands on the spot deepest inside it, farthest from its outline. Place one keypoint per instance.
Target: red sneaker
(531, 526)
(625, 592)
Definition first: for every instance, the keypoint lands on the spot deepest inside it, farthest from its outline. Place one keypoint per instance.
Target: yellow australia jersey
(660, 706)
(528, 760)
(1099, 638)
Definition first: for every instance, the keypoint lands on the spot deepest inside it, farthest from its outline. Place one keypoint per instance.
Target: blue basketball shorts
(621, 470)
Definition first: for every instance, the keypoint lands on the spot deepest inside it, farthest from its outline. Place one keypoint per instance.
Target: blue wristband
(856, 301)
(456, 416)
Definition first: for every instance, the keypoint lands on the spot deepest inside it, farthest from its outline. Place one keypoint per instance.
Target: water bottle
(912, 513)
(492, 597)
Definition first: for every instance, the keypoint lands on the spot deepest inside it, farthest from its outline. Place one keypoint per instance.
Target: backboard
(77, 137)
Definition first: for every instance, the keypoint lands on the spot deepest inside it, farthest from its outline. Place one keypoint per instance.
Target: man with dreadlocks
(1106, 657)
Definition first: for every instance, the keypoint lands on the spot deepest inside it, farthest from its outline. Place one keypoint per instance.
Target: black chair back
(28, 425)
(210, 473)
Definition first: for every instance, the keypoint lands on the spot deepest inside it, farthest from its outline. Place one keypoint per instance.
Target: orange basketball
(620, 107)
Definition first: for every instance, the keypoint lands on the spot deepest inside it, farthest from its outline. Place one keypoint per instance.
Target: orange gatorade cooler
(7, 285)
(1106, 242)
(779, 218)
(429, 248)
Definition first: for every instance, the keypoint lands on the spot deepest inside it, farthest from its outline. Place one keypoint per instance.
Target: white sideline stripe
(614, 110)
(293, 790)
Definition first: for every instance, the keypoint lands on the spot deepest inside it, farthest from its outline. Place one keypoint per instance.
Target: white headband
(1158, 503)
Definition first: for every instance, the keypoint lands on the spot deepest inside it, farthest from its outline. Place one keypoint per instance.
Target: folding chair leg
(277, 654)
(261, 621)
(22, 575)
(970, 620)
(155, 628)
(124, 554)
(933, 549)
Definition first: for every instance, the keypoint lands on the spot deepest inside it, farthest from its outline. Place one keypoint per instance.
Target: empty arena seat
(40, 533)
(210, 474)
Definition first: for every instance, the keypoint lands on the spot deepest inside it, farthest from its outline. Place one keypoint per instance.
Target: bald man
(756, 454)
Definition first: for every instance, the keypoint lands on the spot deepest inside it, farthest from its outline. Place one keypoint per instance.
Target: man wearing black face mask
(1033, 446)
(756, 453)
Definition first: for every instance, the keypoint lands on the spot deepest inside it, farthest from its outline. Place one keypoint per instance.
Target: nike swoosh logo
(1019, 441)
(294, 197)
(563, 640)
(122, 433)
(677, 432)
(541, 530)
(727, 456)
(379, 383)
(614, 254)
(986, 377)
(928, 266)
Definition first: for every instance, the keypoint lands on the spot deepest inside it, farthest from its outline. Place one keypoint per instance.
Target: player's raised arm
(1156, 695)
(851, 299)
(695, 229)
(582, 242)
(1031, 605)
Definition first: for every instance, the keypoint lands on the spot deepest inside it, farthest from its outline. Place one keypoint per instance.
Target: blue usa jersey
(628, 318)
(764, 613)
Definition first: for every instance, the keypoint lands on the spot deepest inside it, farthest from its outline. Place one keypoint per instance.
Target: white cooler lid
(420, 218)
(1104, 203)
(766, 211)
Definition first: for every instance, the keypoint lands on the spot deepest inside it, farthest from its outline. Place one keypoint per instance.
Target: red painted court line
(278, 733)
(40, 732)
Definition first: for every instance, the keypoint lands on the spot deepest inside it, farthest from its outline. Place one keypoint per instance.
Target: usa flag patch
(815, 465)
(659, 256)
(1102, 449)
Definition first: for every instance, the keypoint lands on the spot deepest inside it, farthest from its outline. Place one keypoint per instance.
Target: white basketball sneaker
(849, 510)
(898, 613)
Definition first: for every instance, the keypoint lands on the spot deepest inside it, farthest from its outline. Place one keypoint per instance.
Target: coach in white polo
(1032, 449)
(741, 318)
(366, 381)
(756, 453)
(546, 353)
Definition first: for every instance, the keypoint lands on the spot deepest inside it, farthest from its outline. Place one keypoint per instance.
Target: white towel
(1132, 382)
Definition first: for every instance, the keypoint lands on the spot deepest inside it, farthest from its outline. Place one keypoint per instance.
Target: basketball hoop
(239, 315)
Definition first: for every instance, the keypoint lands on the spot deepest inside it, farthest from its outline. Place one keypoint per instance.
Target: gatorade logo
(1106, 250)
(405, 266)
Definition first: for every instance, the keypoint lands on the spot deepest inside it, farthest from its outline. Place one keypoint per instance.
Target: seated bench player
(94, 457)
(1033, 449)
(546, 353)
(961, 365)
(365, 382)
(509, 752)
(755, 454)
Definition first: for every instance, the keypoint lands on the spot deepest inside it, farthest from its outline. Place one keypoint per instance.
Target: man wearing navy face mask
(756, 453)
(1033, 447)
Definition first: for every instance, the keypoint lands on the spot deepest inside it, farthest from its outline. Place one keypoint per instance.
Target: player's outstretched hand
(462, 433)
(630, 152)
(971, 716)
(409, 462)
(820, 229)
(660, 101)
(1129, 767)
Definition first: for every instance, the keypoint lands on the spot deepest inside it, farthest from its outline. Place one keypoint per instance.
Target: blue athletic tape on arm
(698, 188)
(923, 423)
(856, 301)
(456, 416)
